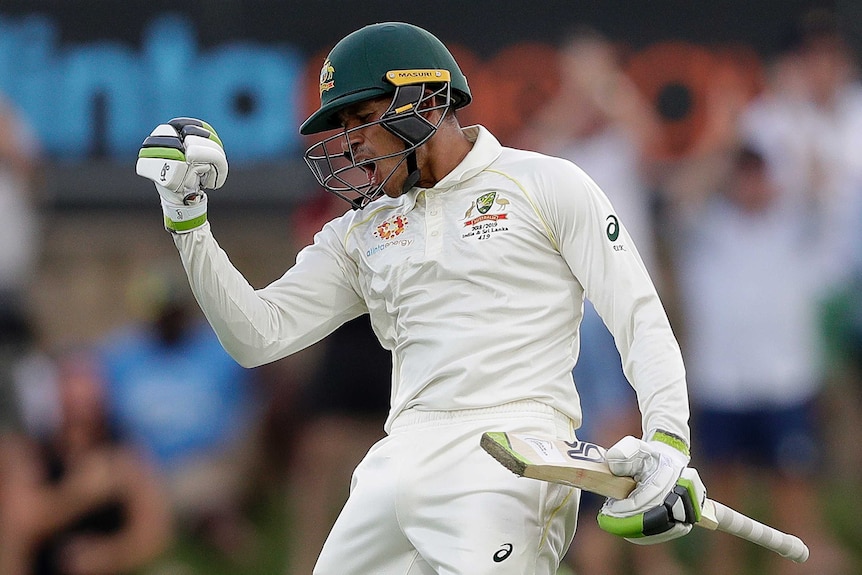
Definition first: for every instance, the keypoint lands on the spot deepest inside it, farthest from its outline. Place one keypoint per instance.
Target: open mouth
(370, 169)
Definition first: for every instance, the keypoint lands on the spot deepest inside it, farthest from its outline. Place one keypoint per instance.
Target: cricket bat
(582, 464)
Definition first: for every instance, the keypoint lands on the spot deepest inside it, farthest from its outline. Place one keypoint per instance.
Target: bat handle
(736, 523)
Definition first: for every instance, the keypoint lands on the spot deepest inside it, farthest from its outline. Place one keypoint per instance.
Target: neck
(442, 153)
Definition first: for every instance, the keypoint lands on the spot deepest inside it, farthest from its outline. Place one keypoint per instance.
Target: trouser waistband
(411, 418)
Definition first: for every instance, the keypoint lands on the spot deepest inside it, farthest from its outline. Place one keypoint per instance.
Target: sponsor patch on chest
(389, 234)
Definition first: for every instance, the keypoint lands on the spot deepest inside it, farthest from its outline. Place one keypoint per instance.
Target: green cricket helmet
(391, 58)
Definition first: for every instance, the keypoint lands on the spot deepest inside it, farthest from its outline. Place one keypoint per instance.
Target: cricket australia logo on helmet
(327, 81)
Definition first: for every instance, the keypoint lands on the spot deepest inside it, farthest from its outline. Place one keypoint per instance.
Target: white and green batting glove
(183, 158)
(668, 498)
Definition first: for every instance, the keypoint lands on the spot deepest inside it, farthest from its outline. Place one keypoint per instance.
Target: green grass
(192, 556)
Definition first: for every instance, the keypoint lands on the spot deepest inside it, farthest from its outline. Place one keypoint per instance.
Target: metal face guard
(336, 169)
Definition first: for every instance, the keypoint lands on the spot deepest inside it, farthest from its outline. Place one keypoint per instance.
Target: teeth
(371, 173)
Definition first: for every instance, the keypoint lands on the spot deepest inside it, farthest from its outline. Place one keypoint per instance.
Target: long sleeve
(257, 326)
(603, 257)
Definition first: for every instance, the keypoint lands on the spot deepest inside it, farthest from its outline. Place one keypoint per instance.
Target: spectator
(749, 269)
(175, 393)
(808, 124)
(19, 159)
(78, 502)
(600, 121)
(27, 393)
(18, 247)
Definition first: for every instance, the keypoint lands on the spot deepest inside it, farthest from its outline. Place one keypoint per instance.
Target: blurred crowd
(132, 453)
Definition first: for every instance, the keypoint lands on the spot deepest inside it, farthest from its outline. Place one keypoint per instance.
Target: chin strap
(413, 173)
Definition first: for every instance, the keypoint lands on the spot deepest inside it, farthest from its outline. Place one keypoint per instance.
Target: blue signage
(105, 97)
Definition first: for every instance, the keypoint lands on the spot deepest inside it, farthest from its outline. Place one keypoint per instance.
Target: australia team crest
(486, 215)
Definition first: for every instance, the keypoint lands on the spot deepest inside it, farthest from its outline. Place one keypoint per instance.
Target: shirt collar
(486, 149)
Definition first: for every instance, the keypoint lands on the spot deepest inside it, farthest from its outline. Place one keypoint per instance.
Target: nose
(350, 141)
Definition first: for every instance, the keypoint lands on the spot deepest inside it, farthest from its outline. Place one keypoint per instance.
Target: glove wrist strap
(671, 440)
(181, 219)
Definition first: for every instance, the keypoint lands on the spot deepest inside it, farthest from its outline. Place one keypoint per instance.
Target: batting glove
(668, 498)
(183, 158)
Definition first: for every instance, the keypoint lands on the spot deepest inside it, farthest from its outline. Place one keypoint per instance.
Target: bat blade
(578, 464)
(582, 464)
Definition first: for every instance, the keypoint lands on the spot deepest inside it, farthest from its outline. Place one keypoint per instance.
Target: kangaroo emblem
(470, 210)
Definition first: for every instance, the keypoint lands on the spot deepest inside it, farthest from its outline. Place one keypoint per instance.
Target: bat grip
(736, 523)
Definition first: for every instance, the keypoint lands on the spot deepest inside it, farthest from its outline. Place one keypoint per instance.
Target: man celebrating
(473, 261)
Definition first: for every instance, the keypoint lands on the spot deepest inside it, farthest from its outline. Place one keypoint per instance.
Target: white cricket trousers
(428, 500)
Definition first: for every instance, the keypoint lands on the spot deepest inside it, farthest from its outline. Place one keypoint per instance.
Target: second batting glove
(668, 498)
(183, 158)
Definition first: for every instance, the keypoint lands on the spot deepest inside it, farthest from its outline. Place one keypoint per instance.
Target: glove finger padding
(183, 157)
(672, 518)
(207, 160)
(162, 159)
(204, 149)
(654, 465)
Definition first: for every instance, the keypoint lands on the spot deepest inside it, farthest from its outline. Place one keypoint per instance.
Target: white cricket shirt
(476, 286)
